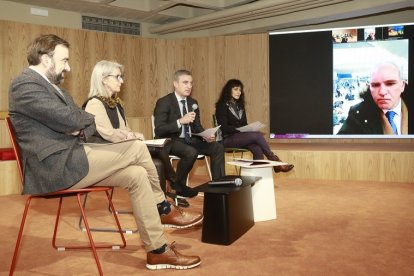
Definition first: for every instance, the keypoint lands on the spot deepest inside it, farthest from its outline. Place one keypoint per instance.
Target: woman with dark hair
(231, 114)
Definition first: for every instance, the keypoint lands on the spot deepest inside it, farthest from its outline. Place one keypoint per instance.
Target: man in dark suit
(172, 121)
(383, 110)
(50, 129)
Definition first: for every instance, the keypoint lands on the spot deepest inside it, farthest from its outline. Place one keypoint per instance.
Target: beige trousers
(129, 165)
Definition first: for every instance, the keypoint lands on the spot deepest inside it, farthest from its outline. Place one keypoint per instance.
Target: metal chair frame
(60, 195)
(235, 151)
(118, 212)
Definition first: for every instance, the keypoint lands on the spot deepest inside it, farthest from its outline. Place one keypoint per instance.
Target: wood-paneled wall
(149, 65)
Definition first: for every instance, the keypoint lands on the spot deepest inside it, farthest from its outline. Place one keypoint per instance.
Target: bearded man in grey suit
(50, 128)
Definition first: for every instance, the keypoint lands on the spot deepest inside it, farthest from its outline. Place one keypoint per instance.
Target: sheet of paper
(156, 142)
(251, 127)
(208, 132)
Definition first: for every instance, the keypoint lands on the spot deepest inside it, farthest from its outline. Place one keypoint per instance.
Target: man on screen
(382, 110)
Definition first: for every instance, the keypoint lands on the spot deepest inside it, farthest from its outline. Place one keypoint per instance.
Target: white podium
(263, 192)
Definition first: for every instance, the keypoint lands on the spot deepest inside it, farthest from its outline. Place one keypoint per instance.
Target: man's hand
(209, 139)
(188, 118)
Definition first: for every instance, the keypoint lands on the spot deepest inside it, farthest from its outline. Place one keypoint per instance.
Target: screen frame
(306, 37)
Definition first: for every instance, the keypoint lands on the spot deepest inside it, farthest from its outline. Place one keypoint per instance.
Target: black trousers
(162, 162)
(188, 155)
(160, 171)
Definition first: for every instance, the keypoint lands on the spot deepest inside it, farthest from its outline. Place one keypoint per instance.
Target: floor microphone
(237, 181)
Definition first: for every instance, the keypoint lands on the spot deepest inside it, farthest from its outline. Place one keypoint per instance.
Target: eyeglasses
(118, 77)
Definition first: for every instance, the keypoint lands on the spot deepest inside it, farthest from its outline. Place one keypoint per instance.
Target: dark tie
(186, 126)
(390, 115)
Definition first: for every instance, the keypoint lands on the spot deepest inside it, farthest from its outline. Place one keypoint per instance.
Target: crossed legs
(129, 165)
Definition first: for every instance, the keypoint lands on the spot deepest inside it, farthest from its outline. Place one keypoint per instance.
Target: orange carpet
(322, 228)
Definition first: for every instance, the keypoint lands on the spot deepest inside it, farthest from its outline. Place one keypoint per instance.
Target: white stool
(263, 192)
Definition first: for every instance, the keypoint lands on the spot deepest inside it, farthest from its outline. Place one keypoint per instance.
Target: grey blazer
(43, 120)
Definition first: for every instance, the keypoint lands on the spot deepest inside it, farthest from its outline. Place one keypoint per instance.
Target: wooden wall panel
(10, 179)
(149, 65)
(353, 165)
(4, 136)
(142, 125)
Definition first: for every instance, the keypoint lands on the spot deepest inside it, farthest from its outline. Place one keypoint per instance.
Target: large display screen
(320, 78)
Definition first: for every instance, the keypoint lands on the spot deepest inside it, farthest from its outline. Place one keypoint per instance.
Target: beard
(55, 78)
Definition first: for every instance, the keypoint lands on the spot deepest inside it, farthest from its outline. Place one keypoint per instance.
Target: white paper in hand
(208, 132)
(251, 127)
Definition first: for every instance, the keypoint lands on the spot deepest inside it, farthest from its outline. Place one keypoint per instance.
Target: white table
(263, 192)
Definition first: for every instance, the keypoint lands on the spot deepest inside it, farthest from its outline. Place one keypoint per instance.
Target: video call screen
(317, 76)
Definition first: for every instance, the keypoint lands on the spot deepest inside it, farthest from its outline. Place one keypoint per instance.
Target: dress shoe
(178, 218)
(178, 200)
(182, 202)
(183, 191)
(187, 192)
(283, 168)
(171, 258)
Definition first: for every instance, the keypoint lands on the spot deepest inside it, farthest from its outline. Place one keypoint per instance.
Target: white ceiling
(226, 16)
(150, 11)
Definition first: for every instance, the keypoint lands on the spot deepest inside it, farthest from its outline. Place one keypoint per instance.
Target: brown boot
(282, 168)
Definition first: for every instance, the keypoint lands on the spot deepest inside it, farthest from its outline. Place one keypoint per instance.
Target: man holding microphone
(177, 116)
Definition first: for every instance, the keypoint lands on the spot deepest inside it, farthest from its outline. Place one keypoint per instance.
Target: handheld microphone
(237, 181)
(194, 107)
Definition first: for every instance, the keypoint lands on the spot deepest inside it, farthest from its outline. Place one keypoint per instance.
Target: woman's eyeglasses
(118, 77)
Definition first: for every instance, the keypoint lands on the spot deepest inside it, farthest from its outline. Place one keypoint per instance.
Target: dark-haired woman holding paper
(231, 115)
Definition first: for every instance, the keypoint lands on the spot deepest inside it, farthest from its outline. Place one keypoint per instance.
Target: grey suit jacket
(167, 112)
(43, 120)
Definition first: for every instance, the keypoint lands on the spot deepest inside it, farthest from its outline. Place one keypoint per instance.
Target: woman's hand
(138, 135)
(120, 135)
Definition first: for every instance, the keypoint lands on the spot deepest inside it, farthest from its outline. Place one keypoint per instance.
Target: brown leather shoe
(179, 218)
(171, 258)
(283, 168)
